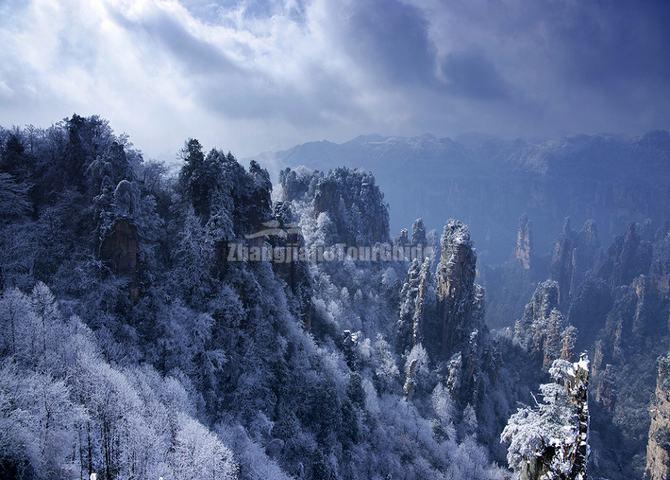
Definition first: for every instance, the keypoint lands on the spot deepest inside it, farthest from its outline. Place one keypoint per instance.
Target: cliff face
(443, 313)
(491, 182)
(523, 253)
(418, 325)
(658, 446)
(294, 271)
(561, 263)
(628, 257)
(460, 300)
(574, 255)
(408, 296)
(120, 247)
(617, 301)
(542, 330)
(350, 198)
(510, 285)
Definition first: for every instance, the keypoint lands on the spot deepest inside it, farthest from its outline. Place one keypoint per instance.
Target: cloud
(167, 31)
(254, 75)
(472, 75)
(392, 37)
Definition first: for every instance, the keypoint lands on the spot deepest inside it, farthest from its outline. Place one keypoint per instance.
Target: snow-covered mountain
(490, 182)
(138, 340)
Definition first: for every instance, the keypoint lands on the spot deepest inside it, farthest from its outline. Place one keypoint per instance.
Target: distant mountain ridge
(490, 182)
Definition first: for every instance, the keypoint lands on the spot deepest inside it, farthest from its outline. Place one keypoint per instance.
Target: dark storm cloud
(473, 75)
(605, 42)
(295, 70)
(617, 40)
(391, 37)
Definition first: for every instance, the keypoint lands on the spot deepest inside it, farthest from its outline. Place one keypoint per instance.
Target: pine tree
(550, 441)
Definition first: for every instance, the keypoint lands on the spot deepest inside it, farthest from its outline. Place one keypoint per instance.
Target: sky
(259, 75)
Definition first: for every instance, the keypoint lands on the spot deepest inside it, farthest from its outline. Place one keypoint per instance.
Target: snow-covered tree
(416, 370)
(550, 441)
(14, 199)
(198, 454)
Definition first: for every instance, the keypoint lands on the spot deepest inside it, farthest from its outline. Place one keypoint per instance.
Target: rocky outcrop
(420, 303)
(491, 182)
(536, 315)
(633, 320)
(349, 197)
(293, 270)
(523, 252)
(658, 444)
(460, 300)
(419, 232)
(561, 263)
(628, 257)
(410, 328)
(660, 267)
(408, 294)
(542, 330)
(459, 316)
(574, 256)
(355, 205)
(589, 306)
(119, 248)
(605, 389)
(444, 314)
(510, 285)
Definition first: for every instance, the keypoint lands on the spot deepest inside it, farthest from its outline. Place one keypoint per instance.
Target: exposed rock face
(536, 315)
(658, 445)
(294, 184)
(542, 330)
(620, 309)
(628, 257)
(418, 232)
(618, 300)
(605, 391)
(571, 262)
(408, 294)
(460, 300)
(293, 271)
(355, 204)
(574, 255)
(585, 254)
(444, 314)
(490, 182)
(643, 292)
(634, 319)
(577, 387)
(561, 263)
(350, 198)
(589, 306)
(410, 328)
(660, 267)
(420, 303)
(523, 252)
(120, 247)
